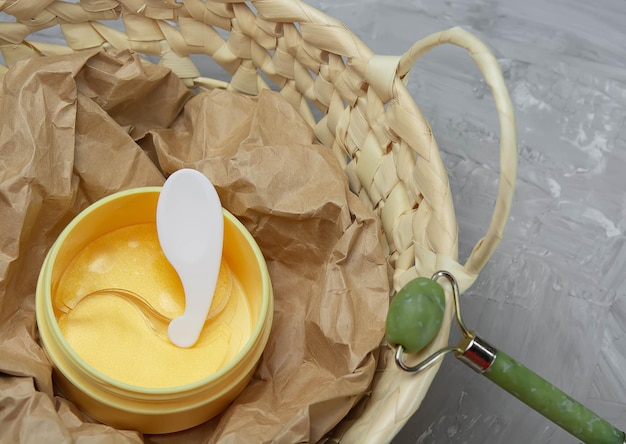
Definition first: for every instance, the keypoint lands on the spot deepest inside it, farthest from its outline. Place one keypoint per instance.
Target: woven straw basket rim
(369, 121)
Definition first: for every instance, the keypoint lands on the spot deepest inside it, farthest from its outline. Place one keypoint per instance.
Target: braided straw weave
(369, 121)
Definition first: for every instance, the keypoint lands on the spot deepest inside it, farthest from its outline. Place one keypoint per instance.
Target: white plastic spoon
(190, 227)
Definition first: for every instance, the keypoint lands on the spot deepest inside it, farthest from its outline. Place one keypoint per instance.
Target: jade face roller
(415, 316)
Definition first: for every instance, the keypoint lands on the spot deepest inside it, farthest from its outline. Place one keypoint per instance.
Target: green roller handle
(551, 402)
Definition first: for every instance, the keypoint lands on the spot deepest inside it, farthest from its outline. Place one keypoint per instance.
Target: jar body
(150, 410)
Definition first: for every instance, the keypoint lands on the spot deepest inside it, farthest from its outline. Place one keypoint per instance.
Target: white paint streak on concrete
(524, 99)
(604, 222)
(554, 187)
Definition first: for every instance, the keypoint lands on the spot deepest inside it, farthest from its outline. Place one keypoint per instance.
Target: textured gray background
(554, 294)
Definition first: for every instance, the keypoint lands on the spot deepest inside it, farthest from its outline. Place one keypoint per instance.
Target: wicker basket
(369, 121)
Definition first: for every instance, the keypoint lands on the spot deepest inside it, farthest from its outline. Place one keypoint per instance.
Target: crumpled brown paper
(77, 128)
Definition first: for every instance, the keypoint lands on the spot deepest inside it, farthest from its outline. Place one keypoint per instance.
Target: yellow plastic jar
(130, 406)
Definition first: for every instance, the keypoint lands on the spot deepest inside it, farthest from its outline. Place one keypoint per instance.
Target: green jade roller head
(414, 319)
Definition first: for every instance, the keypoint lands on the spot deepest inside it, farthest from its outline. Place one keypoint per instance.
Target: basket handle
(490, 69)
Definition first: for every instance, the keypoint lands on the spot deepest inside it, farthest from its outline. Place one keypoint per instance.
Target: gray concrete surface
(554, 294)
